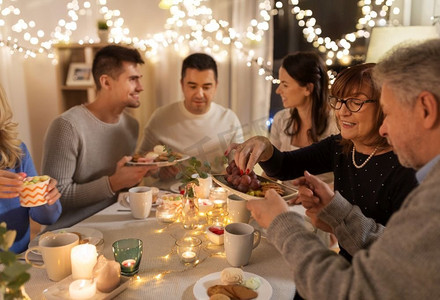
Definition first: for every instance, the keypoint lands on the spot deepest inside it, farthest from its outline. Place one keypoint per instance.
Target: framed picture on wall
(79, 74)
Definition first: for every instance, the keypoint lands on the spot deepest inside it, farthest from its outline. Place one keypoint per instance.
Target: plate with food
(245, 285)
(256, 190)
(161, 156)
(86, 235)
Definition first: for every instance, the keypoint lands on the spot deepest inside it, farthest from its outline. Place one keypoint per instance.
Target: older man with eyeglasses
(367, 173)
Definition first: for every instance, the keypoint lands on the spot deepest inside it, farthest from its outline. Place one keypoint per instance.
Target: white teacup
(55, 250)
(141, 200)
(240, 240)
(238, 213)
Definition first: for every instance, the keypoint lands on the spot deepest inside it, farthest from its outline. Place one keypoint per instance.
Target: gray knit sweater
(399, 262)
(81, 151)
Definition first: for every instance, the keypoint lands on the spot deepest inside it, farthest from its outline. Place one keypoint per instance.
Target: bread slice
(233, 291)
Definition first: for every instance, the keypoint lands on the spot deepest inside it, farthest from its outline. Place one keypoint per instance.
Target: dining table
(161, 273)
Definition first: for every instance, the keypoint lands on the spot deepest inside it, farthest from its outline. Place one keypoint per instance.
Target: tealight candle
(128, 263)
(218, 196)
(166, 214)
(82, 289)
(83, 258)
(188, 249)
(188, 256)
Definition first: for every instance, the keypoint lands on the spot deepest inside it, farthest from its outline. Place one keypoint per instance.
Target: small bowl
(215, 238)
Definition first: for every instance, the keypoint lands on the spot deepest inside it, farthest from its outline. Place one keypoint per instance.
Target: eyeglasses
(352, 104)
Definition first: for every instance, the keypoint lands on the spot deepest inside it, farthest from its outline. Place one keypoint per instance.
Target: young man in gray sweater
(86, 147)
(400, 261)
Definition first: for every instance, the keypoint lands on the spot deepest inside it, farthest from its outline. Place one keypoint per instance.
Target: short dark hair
(201, 62)
(108, 60)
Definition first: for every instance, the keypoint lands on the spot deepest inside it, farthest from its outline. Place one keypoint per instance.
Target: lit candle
(83, 258)
(165, 214)
(219, 203)
(188, 256)
(128, 265)
(82, 289)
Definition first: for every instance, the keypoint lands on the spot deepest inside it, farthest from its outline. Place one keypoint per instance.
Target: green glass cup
(128, 253)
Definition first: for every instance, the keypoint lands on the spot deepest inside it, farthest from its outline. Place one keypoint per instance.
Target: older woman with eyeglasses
(366, 171)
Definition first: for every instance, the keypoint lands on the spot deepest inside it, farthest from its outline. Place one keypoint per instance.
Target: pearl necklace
(365, 162)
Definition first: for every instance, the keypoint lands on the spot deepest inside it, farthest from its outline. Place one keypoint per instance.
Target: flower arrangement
(13, 275)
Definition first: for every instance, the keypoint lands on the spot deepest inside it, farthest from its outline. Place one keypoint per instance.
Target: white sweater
(204, 136)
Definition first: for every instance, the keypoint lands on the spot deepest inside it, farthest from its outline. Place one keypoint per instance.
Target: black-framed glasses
(352, 104)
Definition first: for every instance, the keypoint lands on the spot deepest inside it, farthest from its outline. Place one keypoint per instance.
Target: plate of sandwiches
(160, 156)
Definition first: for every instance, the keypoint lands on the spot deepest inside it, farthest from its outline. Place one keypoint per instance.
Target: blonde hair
(10, 151)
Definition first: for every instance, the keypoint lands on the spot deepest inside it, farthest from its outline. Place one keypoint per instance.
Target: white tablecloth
(167, 278)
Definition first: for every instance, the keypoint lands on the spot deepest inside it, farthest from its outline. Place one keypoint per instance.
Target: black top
(378, 188)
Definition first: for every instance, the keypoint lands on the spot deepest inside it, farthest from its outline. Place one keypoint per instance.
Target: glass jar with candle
(218, 196)
(188, 249)
(217, 217)
(166, 214)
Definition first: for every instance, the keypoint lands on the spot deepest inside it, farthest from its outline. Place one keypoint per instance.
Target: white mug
(141, 200)
(240, 240)
(55, 250)
(238, 213)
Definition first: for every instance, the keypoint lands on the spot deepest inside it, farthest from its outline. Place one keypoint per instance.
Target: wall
(31, 85)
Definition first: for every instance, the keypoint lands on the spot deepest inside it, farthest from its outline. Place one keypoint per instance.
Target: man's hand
(53, 194)
(128, 176)
(264, 211)
(314, 194)
(10, 184)
(249, 153)
(167, 173)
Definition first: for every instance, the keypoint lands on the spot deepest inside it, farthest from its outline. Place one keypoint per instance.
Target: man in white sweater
(195, 126)
(86, 147)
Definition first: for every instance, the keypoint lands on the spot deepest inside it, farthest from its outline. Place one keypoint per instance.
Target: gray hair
(409, 69)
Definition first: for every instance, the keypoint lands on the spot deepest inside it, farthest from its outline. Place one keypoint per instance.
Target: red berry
(217, 230)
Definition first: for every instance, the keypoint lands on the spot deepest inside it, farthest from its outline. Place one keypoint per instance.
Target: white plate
(175, 187)
(60, 290)
(201, 287)
(289, 192)
(84, 231)
(158, 163)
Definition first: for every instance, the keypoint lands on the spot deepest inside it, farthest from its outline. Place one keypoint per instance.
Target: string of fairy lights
(190, 27)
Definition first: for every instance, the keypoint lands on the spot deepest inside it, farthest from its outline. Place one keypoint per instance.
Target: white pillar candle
(83, 258)
(82, 289)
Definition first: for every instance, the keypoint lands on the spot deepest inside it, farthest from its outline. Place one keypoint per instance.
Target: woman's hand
(249, 153)
(10, 184)
(53, 194)
(264, 211)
